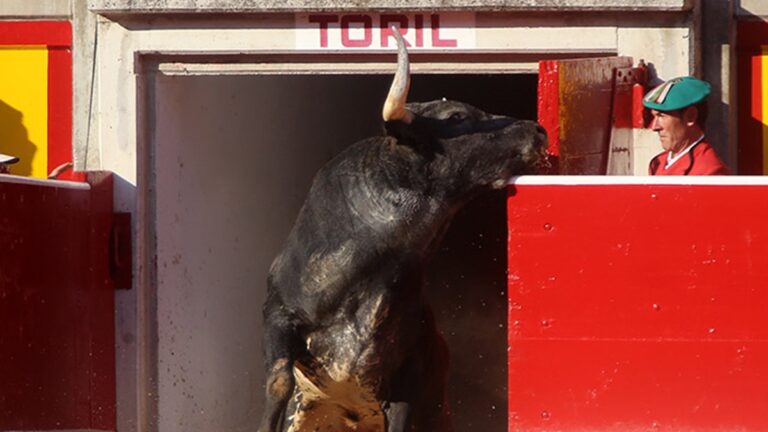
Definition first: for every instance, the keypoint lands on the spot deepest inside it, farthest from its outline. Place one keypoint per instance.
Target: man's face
(675, 128)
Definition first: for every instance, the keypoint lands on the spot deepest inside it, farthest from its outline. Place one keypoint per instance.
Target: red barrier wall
(57, 305)
(638, 307)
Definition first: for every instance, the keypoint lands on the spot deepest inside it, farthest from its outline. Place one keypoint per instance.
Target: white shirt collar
(671, 160)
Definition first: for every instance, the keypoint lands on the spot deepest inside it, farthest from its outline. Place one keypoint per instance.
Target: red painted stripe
(549, 102)
(750, 117)
(60, 111)
(50, 33)
(638, 110)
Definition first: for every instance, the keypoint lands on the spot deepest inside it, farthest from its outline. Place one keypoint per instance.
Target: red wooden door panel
(57, 367)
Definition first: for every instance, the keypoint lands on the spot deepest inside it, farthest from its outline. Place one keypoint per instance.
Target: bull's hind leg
(279, 355)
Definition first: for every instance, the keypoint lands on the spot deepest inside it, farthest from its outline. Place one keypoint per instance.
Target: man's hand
(59, 170)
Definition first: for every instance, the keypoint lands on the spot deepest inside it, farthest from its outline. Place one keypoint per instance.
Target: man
(5, 163)
(679, 110)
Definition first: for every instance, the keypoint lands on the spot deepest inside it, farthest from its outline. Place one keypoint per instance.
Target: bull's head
(464, 143)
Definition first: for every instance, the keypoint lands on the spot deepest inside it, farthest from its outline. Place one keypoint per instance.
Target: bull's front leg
(279, 353)
(398, 416)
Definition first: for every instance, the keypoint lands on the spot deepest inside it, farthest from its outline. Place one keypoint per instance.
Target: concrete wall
(665, 47)
(36, 8)
(124, 139)
(751, 8)
(217, 6)
(718, 66)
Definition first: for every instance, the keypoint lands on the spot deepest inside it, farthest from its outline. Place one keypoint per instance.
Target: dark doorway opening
(233, 159)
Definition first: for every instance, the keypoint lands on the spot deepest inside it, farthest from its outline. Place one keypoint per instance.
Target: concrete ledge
(60, 430)
(259, 6)
(10, 9)
(66, 184)
(752, 8)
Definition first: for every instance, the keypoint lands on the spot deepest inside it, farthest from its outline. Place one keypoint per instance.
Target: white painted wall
(672, 61)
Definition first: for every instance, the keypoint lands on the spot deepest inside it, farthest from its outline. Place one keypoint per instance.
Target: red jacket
(700, 160)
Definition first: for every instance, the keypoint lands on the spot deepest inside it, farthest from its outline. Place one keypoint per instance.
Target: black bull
(350, 341)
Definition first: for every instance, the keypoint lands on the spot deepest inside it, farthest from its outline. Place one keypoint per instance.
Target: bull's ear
(415, 135)
(406, 133)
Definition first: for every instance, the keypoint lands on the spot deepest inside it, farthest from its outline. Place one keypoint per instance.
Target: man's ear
(690, 115)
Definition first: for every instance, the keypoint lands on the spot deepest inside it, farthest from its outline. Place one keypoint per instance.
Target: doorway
(233, 159)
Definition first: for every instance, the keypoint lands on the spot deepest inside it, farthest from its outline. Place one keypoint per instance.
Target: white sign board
(372, 31)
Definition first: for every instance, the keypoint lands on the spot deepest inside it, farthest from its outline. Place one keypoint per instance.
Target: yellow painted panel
(24, 108)
(764, 108)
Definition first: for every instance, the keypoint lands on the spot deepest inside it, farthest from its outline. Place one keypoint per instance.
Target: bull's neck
(450, 180)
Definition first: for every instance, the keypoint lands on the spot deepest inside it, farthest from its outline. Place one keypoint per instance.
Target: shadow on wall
(14, 139)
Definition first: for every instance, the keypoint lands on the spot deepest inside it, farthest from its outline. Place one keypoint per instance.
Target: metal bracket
(628, 96)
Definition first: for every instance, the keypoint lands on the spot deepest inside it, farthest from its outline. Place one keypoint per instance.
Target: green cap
(677, 93)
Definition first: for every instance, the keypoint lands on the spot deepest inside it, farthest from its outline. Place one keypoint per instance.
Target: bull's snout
(541, 137)
(540, 158)
(541, 131)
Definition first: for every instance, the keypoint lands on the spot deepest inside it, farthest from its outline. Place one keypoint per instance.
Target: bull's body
(351, 343)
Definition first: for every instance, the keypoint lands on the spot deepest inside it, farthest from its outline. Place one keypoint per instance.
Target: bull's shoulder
(375, 182)
(380, 157)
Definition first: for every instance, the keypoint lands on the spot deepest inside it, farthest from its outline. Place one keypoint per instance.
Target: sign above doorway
(372, 31)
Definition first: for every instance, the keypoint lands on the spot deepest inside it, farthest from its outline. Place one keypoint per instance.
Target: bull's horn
(394, 106)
